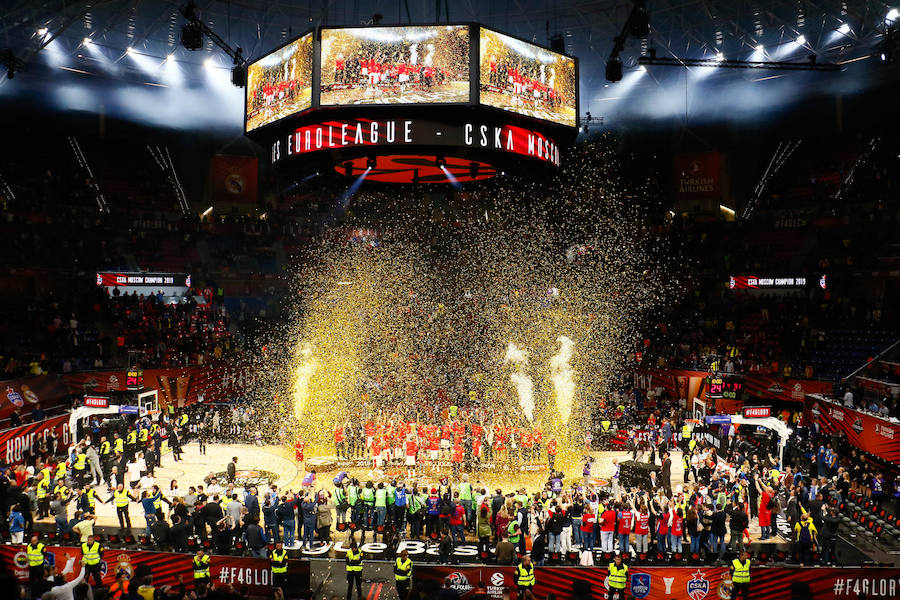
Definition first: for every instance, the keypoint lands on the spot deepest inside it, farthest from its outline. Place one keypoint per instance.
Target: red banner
(698, 175)
(867, 432)
(686, 385)
(14, 442)
(233, 179)
(664, 583)
(255, 573)
(180, 386)
(25, 393)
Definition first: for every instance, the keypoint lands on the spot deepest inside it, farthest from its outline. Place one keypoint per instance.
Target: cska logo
(698, 586)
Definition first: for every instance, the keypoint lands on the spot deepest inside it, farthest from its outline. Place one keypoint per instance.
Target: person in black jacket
(178, 533)
(199, 520)
(665, 474)
(830, 523)
(538, 549)
(738, 523)
(718, 532)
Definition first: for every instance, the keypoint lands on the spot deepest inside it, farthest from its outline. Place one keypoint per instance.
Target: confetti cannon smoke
(563, 379)
(523, 383)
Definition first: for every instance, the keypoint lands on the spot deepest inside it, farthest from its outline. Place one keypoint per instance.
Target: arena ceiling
(48, 36)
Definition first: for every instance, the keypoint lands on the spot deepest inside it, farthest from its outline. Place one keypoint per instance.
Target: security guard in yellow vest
(80, 467)
(618, 576)
(121, 498)
(279, 566)
(403, 574)
(118, 444)
(740, 576)
(61, 470)
(200, 565)
(105, 448)
(183, 420)
(36, 552)
(685, 434)
(91, 555)
(525, 578)
(354, 570)
(43, 497)
(145, 435)
(62, 490)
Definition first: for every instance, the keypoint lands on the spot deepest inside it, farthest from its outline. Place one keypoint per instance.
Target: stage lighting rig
(722, 63)
(190, 41)
(13, 65)
(637, 25)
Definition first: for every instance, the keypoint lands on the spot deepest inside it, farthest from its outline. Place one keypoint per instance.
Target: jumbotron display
(527, 79)
(395, 65)
(280, 84)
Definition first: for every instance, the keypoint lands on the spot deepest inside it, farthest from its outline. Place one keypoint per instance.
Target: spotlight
(170, 58)
(844, 28)
(440, 162)
(642, 68)
(209, 63)
(87, 41)
(129, 50)
(42, 31)
(192, 36)
(892, 15)
(760, 48)
(801, 39)
(371, 162)
(719, 57)
(614, 70)
(239, 76)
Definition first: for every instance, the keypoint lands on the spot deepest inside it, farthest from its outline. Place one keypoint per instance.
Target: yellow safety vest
(157, 503)
(182, 420)
(617, 576)
(120, 498)
(741, 571)
(61, 489)
(60, 470)
(104, 448)
(43, 487)
(80, 462)
(35, 555)
(354, 561)
(144, 435)
(46, 470)
(132, 437)
(90, 555)
(403, 569)
(119, 445)
(279, 561)
(685, 431)
(525, 577)
(201, 567)
(90, 498)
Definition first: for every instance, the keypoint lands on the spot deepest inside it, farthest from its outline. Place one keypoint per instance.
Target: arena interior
(538, 300)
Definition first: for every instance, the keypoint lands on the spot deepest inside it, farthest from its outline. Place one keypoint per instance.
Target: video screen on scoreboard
(280, 84)
(395, 65)
(527, 79)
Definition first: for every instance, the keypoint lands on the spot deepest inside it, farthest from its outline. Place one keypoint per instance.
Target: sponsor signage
(867, 432)
(112, 279)
(755, 412)
(96, 401)
(15, 442)
(129, 410)
(718, 419)
(739, 282)
(408, 133)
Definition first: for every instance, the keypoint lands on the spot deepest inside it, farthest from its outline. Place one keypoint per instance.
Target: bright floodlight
(42, 31)
(760, 48)
(209, 63)
(87, 41)
(719, 57)
(844, 28)
(892, 15)
(129, 50)
(642, 68)
(170, 58)
(801, 39)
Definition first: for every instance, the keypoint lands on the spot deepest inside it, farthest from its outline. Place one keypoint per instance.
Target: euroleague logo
(497, 579)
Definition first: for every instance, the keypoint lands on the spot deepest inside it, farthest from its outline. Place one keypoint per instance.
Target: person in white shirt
(67, 590)
(133, 470)
(848, 399)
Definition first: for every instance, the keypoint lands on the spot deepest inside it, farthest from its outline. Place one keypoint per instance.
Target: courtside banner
(16, 441)
(253, 573)
(867, 432)
(665, 583)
